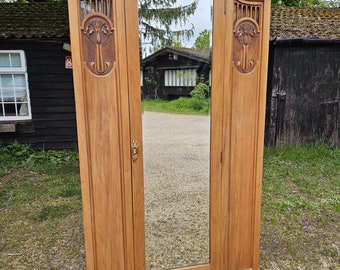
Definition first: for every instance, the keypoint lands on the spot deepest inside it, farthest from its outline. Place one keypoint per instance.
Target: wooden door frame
(236, 83)
(228, 144)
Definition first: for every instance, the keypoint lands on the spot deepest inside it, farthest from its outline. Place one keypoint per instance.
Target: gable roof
(34, 20)
(50, 20)
(292, 22)
(202, 56)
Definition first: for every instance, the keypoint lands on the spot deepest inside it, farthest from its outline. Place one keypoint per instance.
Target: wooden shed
(172, 72)
(36, 85)
(304, 77)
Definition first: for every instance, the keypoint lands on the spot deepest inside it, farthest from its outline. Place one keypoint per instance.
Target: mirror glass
(176, 144)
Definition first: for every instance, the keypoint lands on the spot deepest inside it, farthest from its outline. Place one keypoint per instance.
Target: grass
(301, 208)
(183, 105)
(41, 219)
(40, 209)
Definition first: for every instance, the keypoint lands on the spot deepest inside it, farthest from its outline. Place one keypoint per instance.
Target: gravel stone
(176, 176)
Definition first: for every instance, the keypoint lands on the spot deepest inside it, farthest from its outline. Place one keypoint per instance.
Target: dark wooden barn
(304, 77)
(36, 85)
(172, 72)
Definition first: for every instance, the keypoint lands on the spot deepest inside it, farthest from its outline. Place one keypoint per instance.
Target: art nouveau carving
(247, 9)
(100, 6)
(246, 33)
(98, 44)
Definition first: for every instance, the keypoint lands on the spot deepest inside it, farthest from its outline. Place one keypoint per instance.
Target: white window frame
(180, 77)
(22, 70)
(141, 77)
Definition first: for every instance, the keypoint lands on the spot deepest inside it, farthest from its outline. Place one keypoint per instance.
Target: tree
(202, 42)
(157, 19)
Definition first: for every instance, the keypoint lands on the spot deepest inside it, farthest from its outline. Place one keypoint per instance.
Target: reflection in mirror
(176, 146)
(176, 189)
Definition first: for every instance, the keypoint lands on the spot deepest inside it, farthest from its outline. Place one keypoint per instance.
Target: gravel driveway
(176, 164)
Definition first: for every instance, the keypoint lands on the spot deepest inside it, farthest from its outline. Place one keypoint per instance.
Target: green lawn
(183, 105)
(41, 220)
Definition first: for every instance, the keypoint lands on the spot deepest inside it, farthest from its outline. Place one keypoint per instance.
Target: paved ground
(176, 158)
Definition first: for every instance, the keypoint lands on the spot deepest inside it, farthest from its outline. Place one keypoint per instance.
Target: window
(180, 77)
(14, 93)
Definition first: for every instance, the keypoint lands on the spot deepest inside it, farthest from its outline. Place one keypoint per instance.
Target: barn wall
(303, 94)
(53, 124)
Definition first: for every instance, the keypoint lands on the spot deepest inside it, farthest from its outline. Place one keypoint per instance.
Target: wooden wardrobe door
(105, 54)
(239, 76)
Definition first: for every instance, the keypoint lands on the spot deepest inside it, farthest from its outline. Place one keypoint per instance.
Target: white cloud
(201, 19)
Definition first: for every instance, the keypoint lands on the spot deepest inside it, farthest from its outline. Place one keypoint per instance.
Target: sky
(201, 20)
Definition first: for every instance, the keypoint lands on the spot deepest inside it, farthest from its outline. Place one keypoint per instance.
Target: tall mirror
(175, 41)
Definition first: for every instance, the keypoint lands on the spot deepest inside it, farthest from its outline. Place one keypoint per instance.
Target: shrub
(201, 91)
(198, 104)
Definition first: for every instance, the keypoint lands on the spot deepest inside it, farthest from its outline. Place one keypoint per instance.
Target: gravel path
(176, 158)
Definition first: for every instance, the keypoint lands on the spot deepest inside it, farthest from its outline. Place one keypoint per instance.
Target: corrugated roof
(290, 22)
(33, 20)
(50, 20)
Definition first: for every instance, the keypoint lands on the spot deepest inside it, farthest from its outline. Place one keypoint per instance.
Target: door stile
(137, 170)
(218, 223)
(82, 126)
(125, 89)
(261, 129)
(104, 135)
(243, 125)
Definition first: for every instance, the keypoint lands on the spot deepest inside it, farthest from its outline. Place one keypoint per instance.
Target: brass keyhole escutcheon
(134, 150)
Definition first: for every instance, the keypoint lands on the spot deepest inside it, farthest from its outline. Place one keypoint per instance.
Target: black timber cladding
(303, 98)
(53, 124)
(40, 30)
(303, 93)
(172, 58)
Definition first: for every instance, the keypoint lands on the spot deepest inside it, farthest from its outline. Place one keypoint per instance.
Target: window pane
(15, 60)
(19, 80)
(10, 109)
(4, 60)
(14, 95)
(23, 109)
(186, 77)
(6, 81)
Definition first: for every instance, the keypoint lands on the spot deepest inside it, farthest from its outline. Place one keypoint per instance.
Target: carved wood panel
(98, 44)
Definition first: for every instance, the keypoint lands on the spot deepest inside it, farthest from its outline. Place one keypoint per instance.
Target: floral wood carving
(98, 44)
(246, 45)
